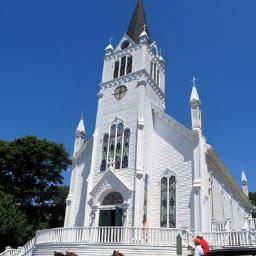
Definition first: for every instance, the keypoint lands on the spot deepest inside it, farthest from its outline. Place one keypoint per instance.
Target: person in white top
(198, 249)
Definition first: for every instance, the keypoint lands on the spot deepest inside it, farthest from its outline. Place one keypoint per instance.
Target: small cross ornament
(194, 81)
(111, 164)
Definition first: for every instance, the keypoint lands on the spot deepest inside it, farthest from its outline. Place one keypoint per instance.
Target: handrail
(24, 249)
(231, 239)
(8, 252)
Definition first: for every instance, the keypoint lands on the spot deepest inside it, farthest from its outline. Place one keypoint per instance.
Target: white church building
(143, 178)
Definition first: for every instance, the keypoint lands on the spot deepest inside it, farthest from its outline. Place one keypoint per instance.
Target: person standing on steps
(198, 249)
(204, 243)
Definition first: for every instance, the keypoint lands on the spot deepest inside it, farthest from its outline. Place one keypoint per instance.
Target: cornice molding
(212, 157)
(119, 53)
(140, 74)
(178, 127)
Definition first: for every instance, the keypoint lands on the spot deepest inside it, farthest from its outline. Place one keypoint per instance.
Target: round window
(125, 44)
(120, 92)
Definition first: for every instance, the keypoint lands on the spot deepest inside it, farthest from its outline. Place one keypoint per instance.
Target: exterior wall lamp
(92, 215)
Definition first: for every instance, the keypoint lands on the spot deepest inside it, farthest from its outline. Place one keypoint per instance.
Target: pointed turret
(109, 49)
(244, 182)
(138, 23)
(195, 105)
(80, 134)
(194, 98)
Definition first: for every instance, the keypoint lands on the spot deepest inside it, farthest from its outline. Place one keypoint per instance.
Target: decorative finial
(194, 81)
(82, 116)
(110, 40)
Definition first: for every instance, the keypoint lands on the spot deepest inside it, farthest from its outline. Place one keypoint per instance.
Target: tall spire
(138, 23)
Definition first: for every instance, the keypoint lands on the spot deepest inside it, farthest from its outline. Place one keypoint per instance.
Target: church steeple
(138, 23)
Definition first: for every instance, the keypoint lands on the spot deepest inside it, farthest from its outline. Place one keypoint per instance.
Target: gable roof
(115, 182)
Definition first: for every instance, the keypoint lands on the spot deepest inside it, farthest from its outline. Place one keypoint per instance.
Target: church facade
(143, 183)
(141, 167)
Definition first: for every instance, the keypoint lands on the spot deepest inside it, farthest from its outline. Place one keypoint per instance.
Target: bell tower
(135, 54)
(133, 80)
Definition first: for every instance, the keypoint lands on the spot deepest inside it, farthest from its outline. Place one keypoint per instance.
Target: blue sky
(51, 56)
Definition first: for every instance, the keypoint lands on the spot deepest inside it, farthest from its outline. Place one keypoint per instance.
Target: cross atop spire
(138, 23)
(194, 81)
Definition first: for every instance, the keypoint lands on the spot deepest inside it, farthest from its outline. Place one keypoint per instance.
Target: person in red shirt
(204, 244)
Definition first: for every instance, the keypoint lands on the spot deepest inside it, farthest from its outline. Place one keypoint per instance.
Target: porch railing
(221, 225)
(124, 235)
(252, 224)
(231, 239)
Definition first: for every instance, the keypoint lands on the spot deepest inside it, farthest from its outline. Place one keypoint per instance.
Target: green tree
(14, 229)
(57, 209)
(31, 173)
(252, 197)
(30, 170)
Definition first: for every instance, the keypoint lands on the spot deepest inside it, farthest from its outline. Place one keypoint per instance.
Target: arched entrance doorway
(111, 212)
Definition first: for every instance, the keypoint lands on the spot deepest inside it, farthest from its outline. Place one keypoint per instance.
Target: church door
(111, 218)
(111, 214)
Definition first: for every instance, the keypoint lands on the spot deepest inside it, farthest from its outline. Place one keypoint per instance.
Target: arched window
(168, 202)
(129, 65)
(119, 138)
(111, 148)
(145, 217)
(116, 69)
(104, 153)
(116, 146)
(123, 67)
(113, 198)
(126, 145)
(155, 72)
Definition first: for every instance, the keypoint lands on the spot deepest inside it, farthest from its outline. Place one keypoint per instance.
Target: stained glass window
(145, 217)
(168, 202)
(172, 202)
(113, 198)
(116, 147)
(126, 145)
(111, 149)
(104, 153)
(163, 209)
(119, 138)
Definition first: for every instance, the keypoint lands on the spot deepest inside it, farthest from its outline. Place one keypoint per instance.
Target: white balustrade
(231, 239)
(252, 224)
(221, 225)
(20, 251)
(130, 235)
(24, 249)
(101, 235)
(9, 251)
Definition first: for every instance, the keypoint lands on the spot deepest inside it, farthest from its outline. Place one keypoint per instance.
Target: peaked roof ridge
(138, 23)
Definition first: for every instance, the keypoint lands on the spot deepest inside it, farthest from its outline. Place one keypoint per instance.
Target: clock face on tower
(120, 92)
